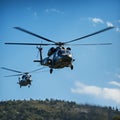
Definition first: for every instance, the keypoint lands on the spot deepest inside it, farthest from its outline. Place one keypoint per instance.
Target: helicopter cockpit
(64, 51)
(26, 77)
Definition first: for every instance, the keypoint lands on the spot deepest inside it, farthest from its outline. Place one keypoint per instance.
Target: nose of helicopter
(67, 58)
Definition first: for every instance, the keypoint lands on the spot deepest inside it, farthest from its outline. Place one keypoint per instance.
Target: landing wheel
(51, 70)
(71, 67)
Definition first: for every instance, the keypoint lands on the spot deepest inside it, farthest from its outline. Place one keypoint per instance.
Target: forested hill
(54, 110)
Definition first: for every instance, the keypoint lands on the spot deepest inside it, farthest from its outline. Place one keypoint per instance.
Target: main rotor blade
(90, 44)
(55, 44)
(28, 44)
(13, 75)
(11, 70)
(103, 30)
(37, 70)
(26, 31)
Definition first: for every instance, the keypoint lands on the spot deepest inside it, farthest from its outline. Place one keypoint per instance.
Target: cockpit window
(67, 51)
(59, 52)
(62, 52)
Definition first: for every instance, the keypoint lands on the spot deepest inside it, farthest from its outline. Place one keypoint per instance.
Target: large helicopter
(59, 56)
(24, 78)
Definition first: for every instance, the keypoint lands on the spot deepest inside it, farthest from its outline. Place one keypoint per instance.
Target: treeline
(54, 110)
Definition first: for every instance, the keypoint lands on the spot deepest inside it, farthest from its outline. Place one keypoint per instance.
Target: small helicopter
(59, 56)
(25, 77)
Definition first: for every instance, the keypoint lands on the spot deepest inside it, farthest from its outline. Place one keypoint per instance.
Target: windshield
(63, 52)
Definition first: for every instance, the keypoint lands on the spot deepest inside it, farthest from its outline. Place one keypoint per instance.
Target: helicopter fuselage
(25, 80)
(60, 57)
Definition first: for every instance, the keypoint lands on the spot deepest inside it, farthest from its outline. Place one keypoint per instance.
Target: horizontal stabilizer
(37, 61)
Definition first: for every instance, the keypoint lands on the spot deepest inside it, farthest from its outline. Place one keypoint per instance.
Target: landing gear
(71, 67)
(51, 70)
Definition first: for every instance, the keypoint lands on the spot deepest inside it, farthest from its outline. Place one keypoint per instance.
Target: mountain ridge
(54, 110)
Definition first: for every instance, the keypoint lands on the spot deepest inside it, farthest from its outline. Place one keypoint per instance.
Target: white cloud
(105, 93)
(112, 94)
(82, 88)
(115, 83)
(97, 20)
(109, 24)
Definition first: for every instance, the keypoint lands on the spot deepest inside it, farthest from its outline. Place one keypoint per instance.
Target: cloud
(109, 24)
(96, 20)
(112, 94)
(104, 93)
(115, 83)
(85, 89)
(100, 21)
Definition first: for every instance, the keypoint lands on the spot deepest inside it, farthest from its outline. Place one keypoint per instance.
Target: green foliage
(54, 110)
(116, 117)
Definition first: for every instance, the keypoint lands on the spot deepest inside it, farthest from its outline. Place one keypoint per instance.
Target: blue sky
(96, 76)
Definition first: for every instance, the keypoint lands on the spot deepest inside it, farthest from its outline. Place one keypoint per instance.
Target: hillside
(54, 110)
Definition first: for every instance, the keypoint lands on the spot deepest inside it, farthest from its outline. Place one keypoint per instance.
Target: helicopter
(25, 77)
(59, 56)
